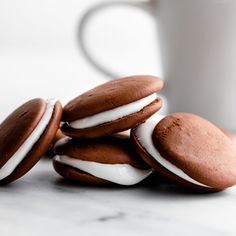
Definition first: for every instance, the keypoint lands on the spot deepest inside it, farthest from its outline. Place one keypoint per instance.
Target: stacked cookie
(113, 134)
(95, 152)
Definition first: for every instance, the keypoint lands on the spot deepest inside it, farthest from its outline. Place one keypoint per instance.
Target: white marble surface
(41, 203)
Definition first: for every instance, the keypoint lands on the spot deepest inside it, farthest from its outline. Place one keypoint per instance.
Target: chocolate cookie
(112, 107)
(59, 135)
(25, 136)
(189, 150)
(104, 161)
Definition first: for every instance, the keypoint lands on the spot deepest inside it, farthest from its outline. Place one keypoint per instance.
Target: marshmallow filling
(24, 149)
(122, 174)
(113, 114)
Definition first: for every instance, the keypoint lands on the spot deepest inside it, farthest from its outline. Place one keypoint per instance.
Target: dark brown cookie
(189, 150)
(25, 136)
(59, 135)
(100, 161)
(112, 107)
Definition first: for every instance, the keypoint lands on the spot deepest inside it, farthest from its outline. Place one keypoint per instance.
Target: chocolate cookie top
(108, 150)
(17, 127)
(111, 95)
(198, 147)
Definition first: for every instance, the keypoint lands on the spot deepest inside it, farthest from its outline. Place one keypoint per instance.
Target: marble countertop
(42, 203)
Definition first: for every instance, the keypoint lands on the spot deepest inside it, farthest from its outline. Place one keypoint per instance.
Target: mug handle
(89, 15)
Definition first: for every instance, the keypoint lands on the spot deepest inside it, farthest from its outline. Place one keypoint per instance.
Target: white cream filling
(20, 154)
(123, 174)
(144, 135)
(112, 114)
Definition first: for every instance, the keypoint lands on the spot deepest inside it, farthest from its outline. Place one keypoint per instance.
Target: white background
(40, 55)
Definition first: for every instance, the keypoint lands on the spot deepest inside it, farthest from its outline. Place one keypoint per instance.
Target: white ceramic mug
(198, 51)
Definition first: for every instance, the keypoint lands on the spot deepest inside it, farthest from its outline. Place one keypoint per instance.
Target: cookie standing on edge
(100, 161)
(189, 150)
(25, 136)
(112, 107)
